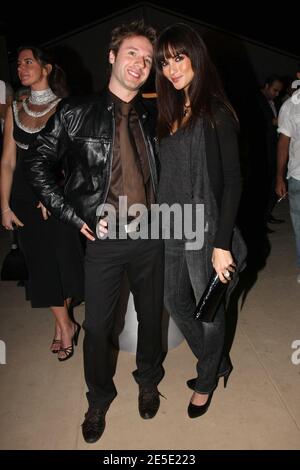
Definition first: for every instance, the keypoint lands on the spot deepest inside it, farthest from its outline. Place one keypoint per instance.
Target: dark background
(37, 22)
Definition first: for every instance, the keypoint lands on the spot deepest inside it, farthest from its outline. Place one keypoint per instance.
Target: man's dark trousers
(105, 264)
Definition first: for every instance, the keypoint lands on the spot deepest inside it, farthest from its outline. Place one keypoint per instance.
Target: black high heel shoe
(69, 350)
(191, 383)
(198, 410)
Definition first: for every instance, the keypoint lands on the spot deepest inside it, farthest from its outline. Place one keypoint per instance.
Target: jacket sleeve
(39, 166)
(231, 187)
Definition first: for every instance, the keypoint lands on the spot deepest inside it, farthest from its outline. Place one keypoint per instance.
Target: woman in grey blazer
(197, 130)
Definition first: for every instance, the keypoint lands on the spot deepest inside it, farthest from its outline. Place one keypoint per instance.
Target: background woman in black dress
(52, 249)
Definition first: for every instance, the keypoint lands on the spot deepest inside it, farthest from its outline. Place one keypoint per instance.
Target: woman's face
(178, 69)
(31, 72)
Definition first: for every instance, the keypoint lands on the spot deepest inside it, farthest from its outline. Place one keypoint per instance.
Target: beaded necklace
(40, 98)
(32, 113)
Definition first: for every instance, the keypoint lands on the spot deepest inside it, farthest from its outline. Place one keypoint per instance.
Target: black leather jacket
(80, 135)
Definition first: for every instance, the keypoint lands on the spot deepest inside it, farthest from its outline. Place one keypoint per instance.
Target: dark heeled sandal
(55, 341)
(76, 334)
(69, 350)
(226, 377)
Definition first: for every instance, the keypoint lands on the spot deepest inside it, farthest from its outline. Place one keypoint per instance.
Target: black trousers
(105, 265)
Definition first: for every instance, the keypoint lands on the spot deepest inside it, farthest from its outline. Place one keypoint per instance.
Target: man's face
(273, 90)
(131, 66)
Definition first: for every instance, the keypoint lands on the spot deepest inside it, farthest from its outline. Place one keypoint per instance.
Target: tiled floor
(42, 401)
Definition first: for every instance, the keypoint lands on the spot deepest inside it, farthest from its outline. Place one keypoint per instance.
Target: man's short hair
(127, 30)
(272, 78)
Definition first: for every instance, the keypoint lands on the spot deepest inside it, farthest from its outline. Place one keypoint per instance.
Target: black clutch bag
(14, 266)
(211, 299)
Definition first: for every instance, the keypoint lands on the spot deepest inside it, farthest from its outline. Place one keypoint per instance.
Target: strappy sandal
(54, 342)
(69, 350)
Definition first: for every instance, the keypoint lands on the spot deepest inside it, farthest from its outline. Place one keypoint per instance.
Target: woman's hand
(9, 219)
(223, 264)
(102, 227)
(45, 212)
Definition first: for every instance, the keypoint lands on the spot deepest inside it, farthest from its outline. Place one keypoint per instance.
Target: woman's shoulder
(221, 110)
(223, 115)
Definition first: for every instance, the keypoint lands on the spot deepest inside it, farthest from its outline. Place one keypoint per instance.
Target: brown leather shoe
(94, 424)
(149, 401)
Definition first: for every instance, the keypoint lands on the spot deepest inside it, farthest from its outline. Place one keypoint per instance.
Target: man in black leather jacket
(107, 148)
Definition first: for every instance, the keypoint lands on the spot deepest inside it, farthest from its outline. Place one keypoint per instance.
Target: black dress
(52, 249)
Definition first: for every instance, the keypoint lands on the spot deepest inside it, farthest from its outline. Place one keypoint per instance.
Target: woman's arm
(229, 191)
(230, 179)
(8, 164)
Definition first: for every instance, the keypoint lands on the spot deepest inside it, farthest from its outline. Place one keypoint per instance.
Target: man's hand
(280, 188)
(45, 212)
(87, 232)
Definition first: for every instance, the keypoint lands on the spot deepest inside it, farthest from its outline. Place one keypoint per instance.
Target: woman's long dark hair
(205, 88)
(56, 78)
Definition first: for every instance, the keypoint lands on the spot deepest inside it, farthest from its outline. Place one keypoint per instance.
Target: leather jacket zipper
(110, 159)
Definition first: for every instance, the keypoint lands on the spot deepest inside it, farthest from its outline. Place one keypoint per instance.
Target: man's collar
(137, 103)
(117, 100)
